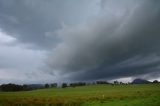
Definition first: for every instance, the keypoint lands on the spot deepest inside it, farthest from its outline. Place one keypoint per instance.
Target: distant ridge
(140, 81)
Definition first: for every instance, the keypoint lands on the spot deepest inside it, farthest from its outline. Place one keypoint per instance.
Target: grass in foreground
(92, 95)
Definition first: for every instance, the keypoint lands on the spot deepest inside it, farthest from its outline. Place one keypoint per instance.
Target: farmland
(90, 95)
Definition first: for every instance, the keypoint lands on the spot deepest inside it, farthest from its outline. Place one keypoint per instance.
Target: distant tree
(16, 87)
(11, 87)
(77, 84)
(155, 81)
(46, 85)
(53, 85)
(121, 83)
(25, 87)
(72, 85)
(102, 82)
(64, 85)
(116, 82)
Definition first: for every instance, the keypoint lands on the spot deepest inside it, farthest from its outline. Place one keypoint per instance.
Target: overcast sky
(79, 40)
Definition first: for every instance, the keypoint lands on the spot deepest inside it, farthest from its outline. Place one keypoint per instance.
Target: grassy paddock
(91, 95)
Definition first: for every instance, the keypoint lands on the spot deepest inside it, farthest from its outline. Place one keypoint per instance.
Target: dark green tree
(155, 81)
(64, 85)
(46, 85)
(53, 85)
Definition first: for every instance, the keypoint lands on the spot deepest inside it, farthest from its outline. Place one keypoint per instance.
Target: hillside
(92, 95)
(140, 81)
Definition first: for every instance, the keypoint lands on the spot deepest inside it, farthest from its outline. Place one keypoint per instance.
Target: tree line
(16, 87)
(13, 87)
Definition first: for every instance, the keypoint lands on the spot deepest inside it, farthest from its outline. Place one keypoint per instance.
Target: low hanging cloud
(120, 42)
(79, 39)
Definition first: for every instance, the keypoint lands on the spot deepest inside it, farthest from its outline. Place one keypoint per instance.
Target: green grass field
(91, 95)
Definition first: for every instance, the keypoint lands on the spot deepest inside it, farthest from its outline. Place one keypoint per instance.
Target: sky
(45, 41)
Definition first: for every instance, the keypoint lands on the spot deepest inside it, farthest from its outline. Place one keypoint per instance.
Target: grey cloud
(94, 50)
(30, 21)
(13, 57)
(28, 31)
(21, 65)
(83, 40)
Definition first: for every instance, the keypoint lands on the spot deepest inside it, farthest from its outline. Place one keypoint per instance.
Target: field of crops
(91, 95)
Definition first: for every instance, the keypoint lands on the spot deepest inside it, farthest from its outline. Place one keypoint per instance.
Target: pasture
(90, 95)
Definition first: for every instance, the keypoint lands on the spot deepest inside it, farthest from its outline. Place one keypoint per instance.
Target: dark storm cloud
(123, 41)
(35, 22)
(28, 31)
(83, 39)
